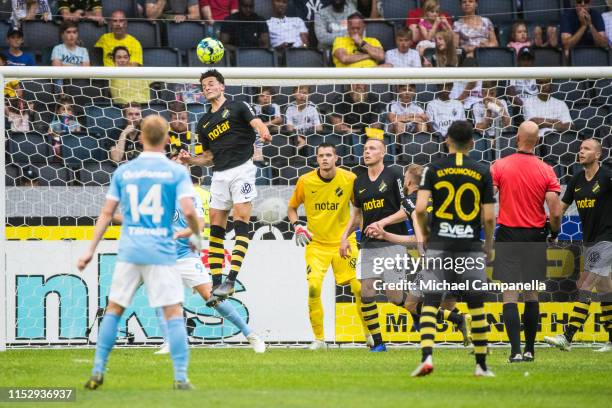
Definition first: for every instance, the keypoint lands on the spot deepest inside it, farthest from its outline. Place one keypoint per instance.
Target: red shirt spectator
(523, 180)
(415, 15)
(219, 9)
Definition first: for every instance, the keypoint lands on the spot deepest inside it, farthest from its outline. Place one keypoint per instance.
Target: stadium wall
(50, 303)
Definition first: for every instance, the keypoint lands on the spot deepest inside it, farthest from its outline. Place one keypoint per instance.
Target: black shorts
(520, 254)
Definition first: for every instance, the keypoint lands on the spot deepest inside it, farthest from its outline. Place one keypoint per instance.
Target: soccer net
(66, 130)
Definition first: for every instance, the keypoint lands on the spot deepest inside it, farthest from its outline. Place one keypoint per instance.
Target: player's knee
(173, 311)
(314, 290)
(204, 290)
(114, 308)
(396, 297)
(241, 228)
(411, 307)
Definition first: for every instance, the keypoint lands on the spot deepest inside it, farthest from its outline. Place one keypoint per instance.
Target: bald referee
(524, 183)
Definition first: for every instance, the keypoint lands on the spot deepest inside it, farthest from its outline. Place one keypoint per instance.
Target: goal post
(61, 147)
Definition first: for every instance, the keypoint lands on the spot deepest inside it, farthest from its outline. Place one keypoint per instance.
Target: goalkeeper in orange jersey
(326, 193)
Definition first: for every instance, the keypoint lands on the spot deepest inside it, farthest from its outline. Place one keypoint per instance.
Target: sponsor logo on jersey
(382, 187)
(586, 203)
(373, 204)
(246, 188)
(339, 192)
(204, 126)
(326, 206)
(219, 130)
(455, 230)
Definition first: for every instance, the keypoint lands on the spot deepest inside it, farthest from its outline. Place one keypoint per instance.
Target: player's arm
(204, 159)
(420, 210)
(105, 218)
(190, 214)
(554, 211)
(261, 128)
(302, 235)
(488, 219)
(186, 233)
(353, 224)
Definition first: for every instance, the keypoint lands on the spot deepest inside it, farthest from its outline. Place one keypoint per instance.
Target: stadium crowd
(76, 131)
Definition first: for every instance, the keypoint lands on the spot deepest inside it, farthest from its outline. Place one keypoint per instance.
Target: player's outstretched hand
(84, 260)
(345, 249)
(302, 235)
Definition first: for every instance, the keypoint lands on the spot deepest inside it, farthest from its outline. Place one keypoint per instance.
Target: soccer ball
(272, 210)
(210, 51)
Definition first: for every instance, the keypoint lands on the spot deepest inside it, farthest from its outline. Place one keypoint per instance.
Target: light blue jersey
(183, 250)
(148, 189)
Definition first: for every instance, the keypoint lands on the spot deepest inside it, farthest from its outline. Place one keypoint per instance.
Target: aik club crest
(382, 187)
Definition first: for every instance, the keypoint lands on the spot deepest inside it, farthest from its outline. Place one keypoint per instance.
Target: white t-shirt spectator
(77, 56)
(402, 109)
(525, 88)
(475, 94)
(443, 113)
(479, 111)
(286, 29)
(302, 119)
(553, 108)
(607, 18)
(410, 59)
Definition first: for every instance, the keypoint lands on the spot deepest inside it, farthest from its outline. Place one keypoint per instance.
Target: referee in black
(524, 183)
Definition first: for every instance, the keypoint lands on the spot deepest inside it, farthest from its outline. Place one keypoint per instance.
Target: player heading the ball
(227, 133)
(148, 189)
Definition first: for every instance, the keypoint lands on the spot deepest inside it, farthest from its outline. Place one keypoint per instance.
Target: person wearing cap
(519, 90)
(355, 50)
(14, 55)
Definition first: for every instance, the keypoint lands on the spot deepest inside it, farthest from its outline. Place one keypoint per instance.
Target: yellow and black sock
(215, 253)
(451, 316)
(240, 248)
(579, 314)
(427, 325)
(480, 330)
(369, 310)
(606, 317)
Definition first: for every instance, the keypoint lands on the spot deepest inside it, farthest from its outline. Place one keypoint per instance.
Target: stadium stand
(170, 44)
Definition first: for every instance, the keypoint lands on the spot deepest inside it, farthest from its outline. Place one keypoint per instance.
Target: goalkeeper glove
(196, 242)
(302, 235)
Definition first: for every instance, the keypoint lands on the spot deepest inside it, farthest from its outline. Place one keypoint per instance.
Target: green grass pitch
(301, 378)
